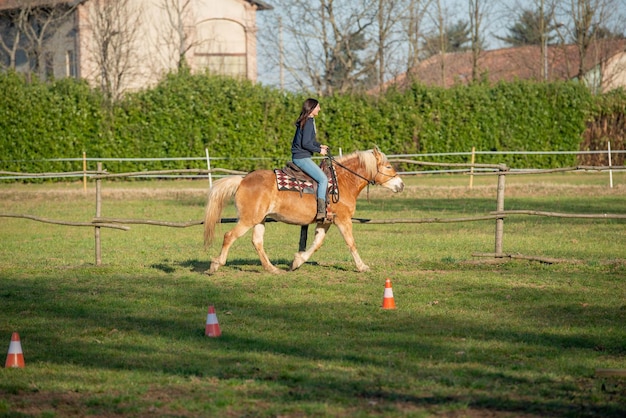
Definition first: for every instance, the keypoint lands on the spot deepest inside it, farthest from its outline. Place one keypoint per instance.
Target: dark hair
(307, 107)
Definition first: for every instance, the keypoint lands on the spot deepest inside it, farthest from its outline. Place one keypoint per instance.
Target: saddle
(291, 178)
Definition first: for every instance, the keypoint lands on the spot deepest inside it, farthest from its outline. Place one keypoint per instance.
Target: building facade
(127, 45)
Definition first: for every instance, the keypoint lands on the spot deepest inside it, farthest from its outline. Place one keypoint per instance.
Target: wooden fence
(499, 170)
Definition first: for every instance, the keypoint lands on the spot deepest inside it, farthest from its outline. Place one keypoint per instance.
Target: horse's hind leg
(257, 241)
(229, 238)
(302, 257)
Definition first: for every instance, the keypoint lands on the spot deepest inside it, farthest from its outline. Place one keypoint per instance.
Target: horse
(256, 197)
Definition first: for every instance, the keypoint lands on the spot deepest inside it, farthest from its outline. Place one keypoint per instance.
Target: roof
(16, 4)
(509, 64)
(261, 5)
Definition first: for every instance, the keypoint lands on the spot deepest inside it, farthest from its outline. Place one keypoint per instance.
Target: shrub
(246, 126)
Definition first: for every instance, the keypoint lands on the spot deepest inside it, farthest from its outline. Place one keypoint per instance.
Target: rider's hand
(324, 150)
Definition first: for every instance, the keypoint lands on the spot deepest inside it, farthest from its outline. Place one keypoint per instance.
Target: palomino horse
(257, 196)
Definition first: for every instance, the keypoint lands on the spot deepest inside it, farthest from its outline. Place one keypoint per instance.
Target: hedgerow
(247, 126)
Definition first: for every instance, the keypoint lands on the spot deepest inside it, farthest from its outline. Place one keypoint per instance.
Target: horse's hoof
(364, 269)
(213, 268)
(297, 262)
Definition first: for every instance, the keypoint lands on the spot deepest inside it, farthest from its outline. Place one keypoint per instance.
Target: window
(232, 65)
(70, 64)
(222, 48)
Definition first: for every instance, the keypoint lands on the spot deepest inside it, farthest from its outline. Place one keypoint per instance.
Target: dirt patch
(76, 404)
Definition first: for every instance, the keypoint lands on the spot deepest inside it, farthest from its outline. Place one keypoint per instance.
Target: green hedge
(42, 121)
(248, 126)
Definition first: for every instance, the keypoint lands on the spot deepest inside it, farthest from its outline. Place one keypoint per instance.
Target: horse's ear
(377, 153)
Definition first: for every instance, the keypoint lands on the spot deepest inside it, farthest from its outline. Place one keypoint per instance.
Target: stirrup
(325, 218)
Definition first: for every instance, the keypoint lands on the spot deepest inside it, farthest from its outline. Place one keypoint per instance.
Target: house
(604, 65)
(125, 45)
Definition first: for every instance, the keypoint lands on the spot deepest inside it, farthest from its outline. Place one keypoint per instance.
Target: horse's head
(373, 167)
(386, 175)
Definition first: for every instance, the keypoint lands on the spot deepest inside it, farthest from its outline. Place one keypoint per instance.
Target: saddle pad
(285, 182)
(289, 183)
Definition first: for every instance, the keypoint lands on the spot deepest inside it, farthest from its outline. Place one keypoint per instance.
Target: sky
(502, 15)
(457, 9)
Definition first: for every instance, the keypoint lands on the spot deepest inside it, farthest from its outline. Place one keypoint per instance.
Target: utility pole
(544, 42)
(280, 53)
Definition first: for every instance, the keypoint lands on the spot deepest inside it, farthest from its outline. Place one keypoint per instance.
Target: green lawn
(470, 336)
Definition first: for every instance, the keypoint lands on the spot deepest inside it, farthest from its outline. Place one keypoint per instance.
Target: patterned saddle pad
(291, 178)
(286, 182)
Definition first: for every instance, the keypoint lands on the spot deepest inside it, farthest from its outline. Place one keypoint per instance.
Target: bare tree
(389, 14)
(438, 41)
(328, 44)
(344, 45)
(176, 39)
(535, 24)
(546, 12)
(415, 14)
(345, 35)
(114, 25)
(30, 28)
(587, 19)
(10, 37)
(478, 9)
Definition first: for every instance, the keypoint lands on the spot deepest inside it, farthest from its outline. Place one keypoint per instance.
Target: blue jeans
(308, 166)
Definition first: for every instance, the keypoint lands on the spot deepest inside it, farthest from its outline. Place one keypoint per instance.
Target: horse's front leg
(303, 256)
(257, 241)
(345, 227)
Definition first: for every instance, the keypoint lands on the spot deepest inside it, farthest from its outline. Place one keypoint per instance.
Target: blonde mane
(366, 159)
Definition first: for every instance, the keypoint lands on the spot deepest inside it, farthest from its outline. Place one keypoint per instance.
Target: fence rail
(501, 170)
(200, 173)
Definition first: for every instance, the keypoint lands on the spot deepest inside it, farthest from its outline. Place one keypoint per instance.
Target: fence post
(84, 171)
(208, 164)
(471, 184)
(500, 208)
(610, 167)
(98, 213)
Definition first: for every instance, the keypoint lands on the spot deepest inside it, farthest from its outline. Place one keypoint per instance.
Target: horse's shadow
(248, 265)
(168, 266)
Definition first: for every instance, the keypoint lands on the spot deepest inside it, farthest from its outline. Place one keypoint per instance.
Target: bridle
(370, 182)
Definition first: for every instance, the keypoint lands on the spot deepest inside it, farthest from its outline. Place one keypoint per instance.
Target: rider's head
(308, 107)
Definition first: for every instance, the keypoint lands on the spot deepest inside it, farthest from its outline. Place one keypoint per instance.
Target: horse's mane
(366, 159)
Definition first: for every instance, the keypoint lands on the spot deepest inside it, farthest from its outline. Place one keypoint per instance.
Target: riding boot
(321, 210)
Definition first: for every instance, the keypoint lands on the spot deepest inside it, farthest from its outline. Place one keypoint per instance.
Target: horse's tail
(222, 191)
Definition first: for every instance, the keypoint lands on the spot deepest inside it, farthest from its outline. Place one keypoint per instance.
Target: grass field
(470, 337)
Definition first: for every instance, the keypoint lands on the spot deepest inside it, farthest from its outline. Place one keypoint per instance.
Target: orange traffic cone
(212, 326)
(15, 357)
(388, 302)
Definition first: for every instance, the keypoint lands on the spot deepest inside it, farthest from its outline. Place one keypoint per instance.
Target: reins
(332, 159)
(335, 197)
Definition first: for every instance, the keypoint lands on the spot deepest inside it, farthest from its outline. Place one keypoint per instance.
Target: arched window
(221, 47)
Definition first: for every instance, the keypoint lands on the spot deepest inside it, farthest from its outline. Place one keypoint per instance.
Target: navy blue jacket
(304, 141)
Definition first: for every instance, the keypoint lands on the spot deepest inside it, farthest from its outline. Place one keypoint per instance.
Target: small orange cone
(388, 302)
(15, 357)
(212, 326)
